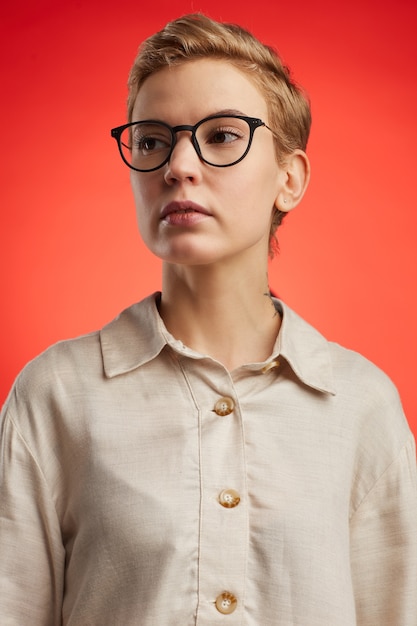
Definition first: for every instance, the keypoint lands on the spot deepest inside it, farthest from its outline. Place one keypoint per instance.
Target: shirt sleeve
(384, 547)
(31, 550)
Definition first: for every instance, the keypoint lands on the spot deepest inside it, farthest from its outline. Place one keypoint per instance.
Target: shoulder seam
(409, 440)
(9, 418)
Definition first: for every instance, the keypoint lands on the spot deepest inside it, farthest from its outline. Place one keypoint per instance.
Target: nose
(184, 163)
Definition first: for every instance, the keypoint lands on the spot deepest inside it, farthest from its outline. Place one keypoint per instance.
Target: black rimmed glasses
(219, 140)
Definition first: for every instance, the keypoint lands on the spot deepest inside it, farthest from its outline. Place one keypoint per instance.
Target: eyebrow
(228, 112)
(224, 112)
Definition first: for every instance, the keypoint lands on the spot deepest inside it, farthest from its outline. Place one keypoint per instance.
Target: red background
(71, 254)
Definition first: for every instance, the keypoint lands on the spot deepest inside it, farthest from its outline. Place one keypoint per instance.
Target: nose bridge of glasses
(177, 129)
(185, 127)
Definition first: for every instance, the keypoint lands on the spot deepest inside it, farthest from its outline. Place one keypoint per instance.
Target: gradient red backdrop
(71, 254)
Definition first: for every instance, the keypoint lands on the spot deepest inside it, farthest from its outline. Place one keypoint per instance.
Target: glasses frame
(253, 123)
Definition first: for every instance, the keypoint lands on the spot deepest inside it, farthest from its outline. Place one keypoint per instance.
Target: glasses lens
(223, 140)
(145, 145)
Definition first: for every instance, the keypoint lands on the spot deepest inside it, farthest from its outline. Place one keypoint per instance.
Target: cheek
(259, 187)
(145, 191)
(137, 186)
(140, 195)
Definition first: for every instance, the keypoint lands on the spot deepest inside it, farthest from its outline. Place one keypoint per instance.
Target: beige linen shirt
(144, 484)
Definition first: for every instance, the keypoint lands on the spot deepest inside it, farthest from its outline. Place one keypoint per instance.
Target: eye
(149, 139)
(149, 144)
(223, 135)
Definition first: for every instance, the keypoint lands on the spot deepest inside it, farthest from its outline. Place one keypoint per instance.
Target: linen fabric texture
(114, 459)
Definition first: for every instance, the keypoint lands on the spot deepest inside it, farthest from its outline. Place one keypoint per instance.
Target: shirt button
(270, 366)
(224, 406)
(229, 498)
(226, 602)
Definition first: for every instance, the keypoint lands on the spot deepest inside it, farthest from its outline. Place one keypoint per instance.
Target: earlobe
(296, 173)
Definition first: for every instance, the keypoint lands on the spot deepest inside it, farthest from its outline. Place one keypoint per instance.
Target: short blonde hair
(196, 36)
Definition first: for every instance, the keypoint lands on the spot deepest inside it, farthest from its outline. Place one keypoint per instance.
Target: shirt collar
(305, 349)
(135, 337)
(138, 335)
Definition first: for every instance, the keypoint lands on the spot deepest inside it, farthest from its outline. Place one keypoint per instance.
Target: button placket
(224, 516)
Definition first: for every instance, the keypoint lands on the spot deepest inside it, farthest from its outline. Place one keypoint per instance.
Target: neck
(226, 315)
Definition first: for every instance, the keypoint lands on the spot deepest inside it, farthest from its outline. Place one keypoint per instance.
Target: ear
(294, 181)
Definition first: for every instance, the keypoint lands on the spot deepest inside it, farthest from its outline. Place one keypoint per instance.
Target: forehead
(196, 89)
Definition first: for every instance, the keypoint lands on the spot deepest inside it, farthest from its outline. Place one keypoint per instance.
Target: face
(190, 212)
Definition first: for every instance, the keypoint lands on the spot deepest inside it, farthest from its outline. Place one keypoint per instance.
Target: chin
(189, 259)
(186, 253)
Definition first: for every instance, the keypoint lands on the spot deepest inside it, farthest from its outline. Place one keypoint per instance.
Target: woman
(208, 457)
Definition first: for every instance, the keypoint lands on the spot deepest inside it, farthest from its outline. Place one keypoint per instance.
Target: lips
(182, 207)
(184, 214)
